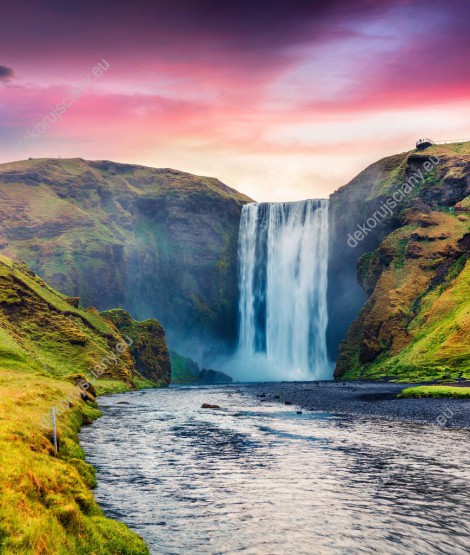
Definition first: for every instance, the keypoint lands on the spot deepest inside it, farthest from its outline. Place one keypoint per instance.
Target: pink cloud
(232, 79)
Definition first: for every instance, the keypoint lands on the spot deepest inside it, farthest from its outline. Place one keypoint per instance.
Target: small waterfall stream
(283, 262)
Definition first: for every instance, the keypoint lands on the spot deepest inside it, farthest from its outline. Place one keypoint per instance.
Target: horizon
(277, 101)
(256, 201)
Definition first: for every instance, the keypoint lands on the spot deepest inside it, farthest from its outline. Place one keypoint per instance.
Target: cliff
(412, 265)
(156, 242)
(148, 346)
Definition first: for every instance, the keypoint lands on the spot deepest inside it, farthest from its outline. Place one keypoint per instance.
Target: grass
(399, 259)
(46, 500)
(40, 330)
(435, 391)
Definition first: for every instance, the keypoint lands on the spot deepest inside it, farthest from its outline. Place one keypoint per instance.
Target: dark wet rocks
(364, 399)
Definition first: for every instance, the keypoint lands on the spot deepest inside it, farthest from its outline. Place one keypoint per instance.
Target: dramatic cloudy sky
(281, 99)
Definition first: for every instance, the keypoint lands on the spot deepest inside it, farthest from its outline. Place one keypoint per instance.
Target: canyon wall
(156, 242)
(411, 268)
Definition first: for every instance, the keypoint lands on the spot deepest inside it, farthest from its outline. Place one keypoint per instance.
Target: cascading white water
(283, 262)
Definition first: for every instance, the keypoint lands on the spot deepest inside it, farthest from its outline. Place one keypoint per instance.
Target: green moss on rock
(147, 345)
(415, 325)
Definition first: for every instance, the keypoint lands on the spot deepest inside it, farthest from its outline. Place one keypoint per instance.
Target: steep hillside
(352, 205)
(414, 268)
(49, 349)
(157, 242)
(43, 330)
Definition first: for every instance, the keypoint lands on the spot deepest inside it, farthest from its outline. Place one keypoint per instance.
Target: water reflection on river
(258, 478)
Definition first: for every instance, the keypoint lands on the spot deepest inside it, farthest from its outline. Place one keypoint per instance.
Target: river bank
(46, 499)
(55, 354)
(47, 504)
(366, 399)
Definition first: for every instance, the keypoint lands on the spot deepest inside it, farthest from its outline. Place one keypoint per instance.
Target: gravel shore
(368, 399)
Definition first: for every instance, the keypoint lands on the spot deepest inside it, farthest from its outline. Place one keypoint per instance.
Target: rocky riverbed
(368, 399)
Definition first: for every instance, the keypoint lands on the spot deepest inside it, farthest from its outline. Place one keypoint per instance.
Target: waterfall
(282, 261)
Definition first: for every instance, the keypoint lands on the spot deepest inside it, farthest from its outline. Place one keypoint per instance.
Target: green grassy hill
(54, 354)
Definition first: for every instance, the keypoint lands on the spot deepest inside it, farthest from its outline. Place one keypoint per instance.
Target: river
(258, 478)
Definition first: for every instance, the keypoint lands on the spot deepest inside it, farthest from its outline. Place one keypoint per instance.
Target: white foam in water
(283, 263)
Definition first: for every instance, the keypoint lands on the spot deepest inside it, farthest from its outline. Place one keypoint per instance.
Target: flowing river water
(258, 478)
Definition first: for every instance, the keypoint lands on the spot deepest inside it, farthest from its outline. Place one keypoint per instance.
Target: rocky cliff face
(412, 266)
(147, 345)
(157, 242)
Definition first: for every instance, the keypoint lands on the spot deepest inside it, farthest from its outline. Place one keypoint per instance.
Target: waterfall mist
(282, 264)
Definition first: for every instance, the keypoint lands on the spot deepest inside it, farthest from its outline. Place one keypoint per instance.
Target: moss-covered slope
(46, 500)
(147, 345)
(415, 324)
(47, 345)
(352, 205)
(42, 330)
(157, 242)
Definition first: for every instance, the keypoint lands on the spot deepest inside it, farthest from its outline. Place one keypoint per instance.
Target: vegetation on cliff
(186, 371)
(183, 369)
(157, 242)
(148, 346)
(47, 344)
(415, 324)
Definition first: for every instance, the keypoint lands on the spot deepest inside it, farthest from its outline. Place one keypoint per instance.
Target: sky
(280, 100)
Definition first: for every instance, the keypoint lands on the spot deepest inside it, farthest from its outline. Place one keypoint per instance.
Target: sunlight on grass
(435, 391)
(46, 504)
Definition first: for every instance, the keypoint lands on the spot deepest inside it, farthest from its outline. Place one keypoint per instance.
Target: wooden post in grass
(54, 429)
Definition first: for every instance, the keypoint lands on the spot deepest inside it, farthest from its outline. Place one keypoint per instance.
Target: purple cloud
(6, 73)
